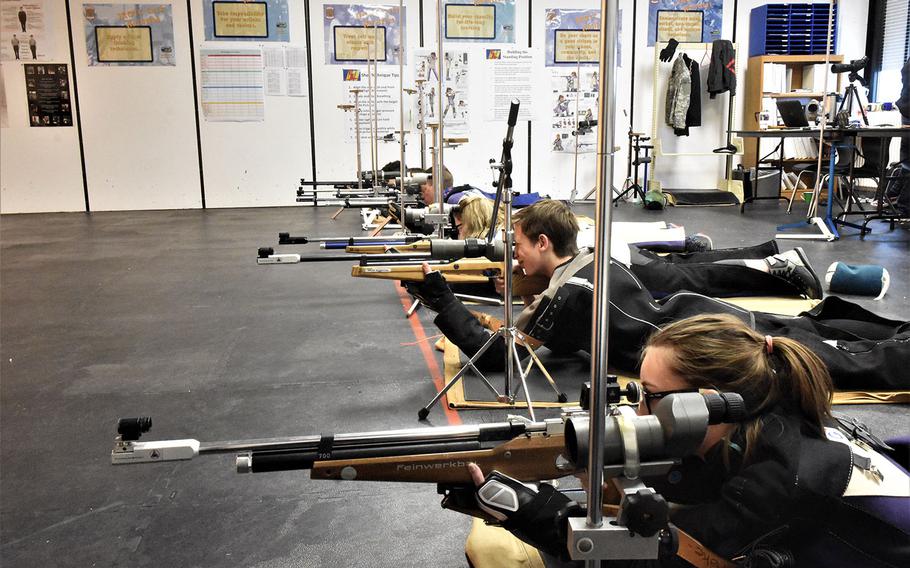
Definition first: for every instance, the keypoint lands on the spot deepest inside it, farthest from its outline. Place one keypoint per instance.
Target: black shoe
(794, 267)
(699, 242)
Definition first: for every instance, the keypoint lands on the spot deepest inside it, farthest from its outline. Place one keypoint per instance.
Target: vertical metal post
(357, 140)
(438, 174)
(606, 126)
(376, 166)
(402, 170)
(370, 117)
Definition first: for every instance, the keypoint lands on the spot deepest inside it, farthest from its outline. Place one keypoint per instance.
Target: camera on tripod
(853, 68)
(842, 118)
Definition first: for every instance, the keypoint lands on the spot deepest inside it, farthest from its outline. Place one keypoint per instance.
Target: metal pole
(370, 117)
(577, 96)
(421, 122)
(606, 126)
(437, 177)
(357, 130)
(402, 170)
(376, 102)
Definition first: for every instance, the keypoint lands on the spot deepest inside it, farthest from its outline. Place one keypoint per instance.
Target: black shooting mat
(700, 197)
(569, 372)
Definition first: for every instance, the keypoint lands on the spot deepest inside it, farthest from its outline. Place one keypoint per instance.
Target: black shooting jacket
(787, 497)
(862, 350)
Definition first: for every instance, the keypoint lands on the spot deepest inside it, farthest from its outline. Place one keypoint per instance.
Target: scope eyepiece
(725, 407)
(130, 429)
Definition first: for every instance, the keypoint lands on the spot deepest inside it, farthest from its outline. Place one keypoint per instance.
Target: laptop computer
(792, 113)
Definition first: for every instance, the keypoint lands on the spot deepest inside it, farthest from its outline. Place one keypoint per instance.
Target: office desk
(837, 137)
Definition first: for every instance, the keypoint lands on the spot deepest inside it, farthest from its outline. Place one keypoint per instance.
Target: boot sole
(818, 283)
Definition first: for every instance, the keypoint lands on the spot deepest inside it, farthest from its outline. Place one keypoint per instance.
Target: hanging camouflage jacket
(678, 94)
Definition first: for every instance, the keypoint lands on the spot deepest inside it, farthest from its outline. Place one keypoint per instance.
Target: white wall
(555, 171)
(256, 164)
(138, 126)
(40, 169)
(140, 139)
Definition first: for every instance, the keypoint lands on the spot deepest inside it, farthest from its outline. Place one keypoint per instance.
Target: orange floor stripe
(426, 348)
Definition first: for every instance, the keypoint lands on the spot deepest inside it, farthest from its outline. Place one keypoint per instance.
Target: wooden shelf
(798, 59)
(793, 95)
(755, 83)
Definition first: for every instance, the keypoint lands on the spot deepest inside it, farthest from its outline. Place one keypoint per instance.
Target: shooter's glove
(666, 54)
(536, 516)
(434, 292)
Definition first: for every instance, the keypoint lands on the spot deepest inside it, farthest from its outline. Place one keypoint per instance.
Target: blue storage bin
(790, 29)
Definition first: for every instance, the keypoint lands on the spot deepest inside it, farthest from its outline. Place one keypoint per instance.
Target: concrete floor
(166, 314)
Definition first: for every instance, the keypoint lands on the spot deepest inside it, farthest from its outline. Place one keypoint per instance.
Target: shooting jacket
(790, 496)
(862, 350)
(722, 71)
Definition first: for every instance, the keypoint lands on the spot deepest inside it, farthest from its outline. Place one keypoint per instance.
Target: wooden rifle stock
(467, 270)
(528, 457)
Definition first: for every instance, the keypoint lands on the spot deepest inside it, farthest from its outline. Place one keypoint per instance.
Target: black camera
(853, 68)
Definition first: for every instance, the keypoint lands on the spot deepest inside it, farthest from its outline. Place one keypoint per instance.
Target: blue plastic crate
(790, 29)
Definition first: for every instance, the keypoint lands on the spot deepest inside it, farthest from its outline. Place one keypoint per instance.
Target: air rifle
(528, 451)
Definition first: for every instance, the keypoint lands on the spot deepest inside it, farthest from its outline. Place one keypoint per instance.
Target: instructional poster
(573, 100)
(665, 21)
(509, 75)
(355, 33)
(480, 20)
(232, 85)
(25, 31)
(47, 89)
(246, 20)
(455, 111)
(357, 83)
(129, 34)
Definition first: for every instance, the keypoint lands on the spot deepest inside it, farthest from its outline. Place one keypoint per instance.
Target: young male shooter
(862, 350)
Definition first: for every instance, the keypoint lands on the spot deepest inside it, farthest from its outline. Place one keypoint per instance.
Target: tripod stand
(641, 157)
(508, 333)
(850, 94)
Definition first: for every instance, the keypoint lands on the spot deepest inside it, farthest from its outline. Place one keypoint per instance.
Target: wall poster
(509, 75)
(572, 52)
(454, 109)
(25, 31)
(232, 85)
(681, 25)
(246, 20)
(47, 89)
(357, 32)
(387, 119)
(665, 13)
(480, 20)
(129, 34)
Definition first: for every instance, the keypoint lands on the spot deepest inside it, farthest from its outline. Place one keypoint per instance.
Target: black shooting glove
(666, 54)
(539, 516)
(434, 292)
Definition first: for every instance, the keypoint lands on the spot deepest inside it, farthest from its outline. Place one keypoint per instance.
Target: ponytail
(719, 351)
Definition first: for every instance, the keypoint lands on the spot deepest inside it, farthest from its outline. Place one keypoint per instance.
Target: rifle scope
(467, 248)
(675, 429)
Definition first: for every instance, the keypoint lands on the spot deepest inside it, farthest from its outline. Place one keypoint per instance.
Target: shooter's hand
(537, 516)
(434, 291)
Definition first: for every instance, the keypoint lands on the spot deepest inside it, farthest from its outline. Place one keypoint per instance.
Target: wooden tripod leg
(385, 221)
(337, 213)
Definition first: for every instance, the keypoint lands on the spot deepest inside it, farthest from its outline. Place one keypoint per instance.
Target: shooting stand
(510, 335)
